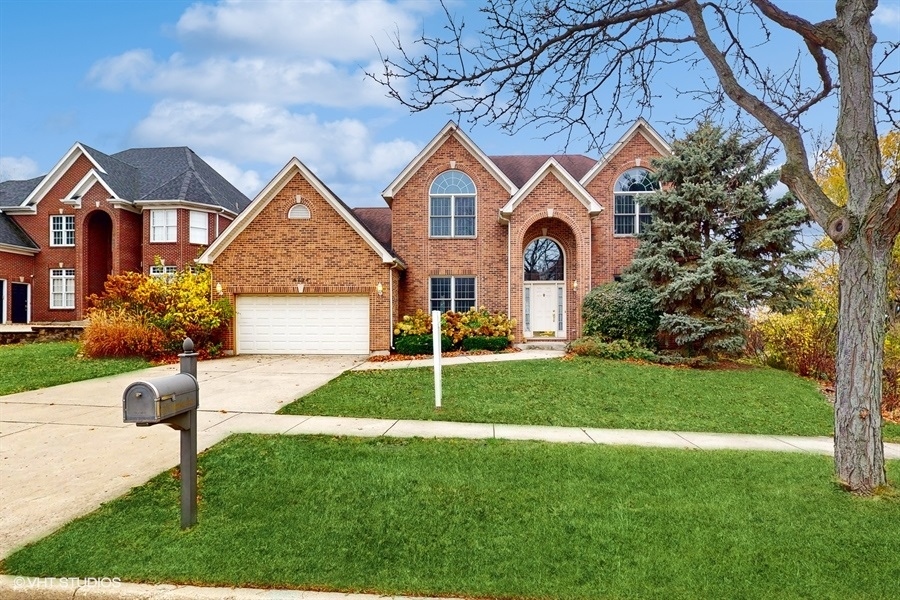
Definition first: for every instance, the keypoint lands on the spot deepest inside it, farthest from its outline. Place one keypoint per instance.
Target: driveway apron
(64, 450)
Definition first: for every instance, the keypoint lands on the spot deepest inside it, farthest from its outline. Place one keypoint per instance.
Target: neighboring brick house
(526, 235)
(94, 215)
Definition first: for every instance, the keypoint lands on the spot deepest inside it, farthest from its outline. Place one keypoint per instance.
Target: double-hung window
(62, 288)
(199, 227)
(164, 225)
(631, 216)
(62, 230)
(452, 293)
(452, 205)
(163, 271)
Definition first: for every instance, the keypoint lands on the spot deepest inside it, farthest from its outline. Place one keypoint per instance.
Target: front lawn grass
(26, 367)
(494, 519)
(586, 392)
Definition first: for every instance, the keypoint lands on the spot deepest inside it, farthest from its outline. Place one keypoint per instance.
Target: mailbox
(155, 400)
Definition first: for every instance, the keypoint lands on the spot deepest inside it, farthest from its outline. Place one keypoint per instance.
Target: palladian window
(452, 205)
(630, 215)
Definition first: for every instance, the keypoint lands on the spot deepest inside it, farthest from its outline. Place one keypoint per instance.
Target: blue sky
(247, 85)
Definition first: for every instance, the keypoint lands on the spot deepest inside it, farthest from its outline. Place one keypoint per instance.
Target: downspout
(503, 219)
(391, 304)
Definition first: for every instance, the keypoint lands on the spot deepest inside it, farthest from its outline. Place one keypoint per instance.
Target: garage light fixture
(380, 289)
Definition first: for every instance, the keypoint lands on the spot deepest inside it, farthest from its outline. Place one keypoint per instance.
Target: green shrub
(485, 342)
(455, 327)
(614, 350)
(419, 344)
(614, 312)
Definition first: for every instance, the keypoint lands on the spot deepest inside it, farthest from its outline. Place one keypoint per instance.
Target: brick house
(526, 235)
(94, 215)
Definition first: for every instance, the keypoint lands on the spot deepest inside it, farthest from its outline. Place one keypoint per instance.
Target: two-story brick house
(526, 235)
(94, 215)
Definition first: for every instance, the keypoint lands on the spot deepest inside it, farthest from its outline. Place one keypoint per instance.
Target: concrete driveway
(65, 450)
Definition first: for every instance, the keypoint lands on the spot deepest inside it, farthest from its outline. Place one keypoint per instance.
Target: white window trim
(163, 271)
(166, 227)
(299, 212)
(63, 219)
(453, 279)
(635, 196)
(194, 228)
(452, 217)
(63, 275)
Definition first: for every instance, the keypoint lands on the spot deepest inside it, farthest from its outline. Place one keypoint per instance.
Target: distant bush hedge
(613, 312)
(420, 344)
(614, 350)
(483, 342)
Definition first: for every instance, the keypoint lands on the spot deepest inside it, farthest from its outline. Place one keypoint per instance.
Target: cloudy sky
(247, 84)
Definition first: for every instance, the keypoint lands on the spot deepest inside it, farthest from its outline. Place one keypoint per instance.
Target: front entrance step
(542, 344)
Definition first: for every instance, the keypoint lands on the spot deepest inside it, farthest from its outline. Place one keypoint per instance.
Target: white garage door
(302, 324)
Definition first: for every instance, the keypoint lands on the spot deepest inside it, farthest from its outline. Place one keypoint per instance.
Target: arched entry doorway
(99, 250)
(544, 288)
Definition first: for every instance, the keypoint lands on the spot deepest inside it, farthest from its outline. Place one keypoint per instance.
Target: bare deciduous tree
(580, 65)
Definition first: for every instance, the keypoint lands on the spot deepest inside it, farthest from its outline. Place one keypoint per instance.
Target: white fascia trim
(651, 135)
(162, 204)
(73, 198)
(124, 205)
(552, 166)
(19, 210)
(17, 250)
(449, 129)
(292, 168)
(56, 173)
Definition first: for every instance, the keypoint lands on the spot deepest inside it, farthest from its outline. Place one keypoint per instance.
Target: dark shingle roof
(13, 235)
(13, 193)
(377, 221)
(520, 168)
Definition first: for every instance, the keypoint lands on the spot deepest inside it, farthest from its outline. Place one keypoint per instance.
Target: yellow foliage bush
(459, 325)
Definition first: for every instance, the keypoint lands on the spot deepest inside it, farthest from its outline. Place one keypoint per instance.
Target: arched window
(299, 211)
(452, 205)
(630, 215)
(544, 261)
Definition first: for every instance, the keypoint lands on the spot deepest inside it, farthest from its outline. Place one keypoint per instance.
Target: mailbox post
(173, 401)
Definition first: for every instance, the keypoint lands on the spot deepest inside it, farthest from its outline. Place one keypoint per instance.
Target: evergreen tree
(717, 245)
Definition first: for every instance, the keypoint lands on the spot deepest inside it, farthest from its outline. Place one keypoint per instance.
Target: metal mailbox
(155, 400)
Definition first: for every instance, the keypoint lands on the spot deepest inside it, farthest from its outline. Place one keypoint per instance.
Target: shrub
(614, 312)
(114, 332)
(417, 324)
(456, 327)
(484, 342)
(168, 310)
(614, 350)
(420, 344)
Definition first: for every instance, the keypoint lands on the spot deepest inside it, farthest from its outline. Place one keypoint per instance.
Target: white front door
(544, 309)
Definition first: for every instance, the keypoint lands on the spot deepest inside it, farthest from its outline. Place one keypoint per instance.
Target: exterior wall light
(380, 289)
(575, 285)
(219, 289)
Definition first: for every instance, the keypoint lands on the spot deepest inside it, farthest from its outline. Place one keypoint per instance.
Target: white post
(436, 347)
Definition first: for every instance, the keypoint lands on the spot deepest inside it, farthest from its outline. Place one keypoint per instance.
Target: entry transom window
(452, 293)
(544, 261)
(199, 233)
(62, 288)
(164, 225)
(630, 215)
(62, 230)
(452, 205)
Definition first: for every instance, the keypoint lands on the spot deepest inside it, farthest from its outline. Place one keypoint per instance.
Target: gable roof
(14, 237)
(552, 167)
(138, 175)
(451, 129)
(640, 127)
(292, 168)
(378, 221)
(520, 168)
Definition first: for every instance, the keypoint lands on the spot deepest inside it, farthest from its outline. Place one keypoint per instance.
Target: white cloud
(340, 152)
(887, 15)
(310, 81)
(342, 31)
(17, 167)
(248, 181)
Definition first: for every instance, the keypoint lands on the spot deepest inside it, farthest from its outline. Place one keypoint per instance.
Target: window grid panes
(528, 309)
(630, 216)
(62, 228)
(62, 288)
(452, 205)
(199, 228)
(559, 309)
(164, 271)
(452, 293)
(163, 225)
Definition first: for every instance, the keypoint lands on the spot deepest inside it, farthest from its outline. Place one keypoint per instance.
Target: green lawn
(586, 392)
(494, 519)
(33, 366)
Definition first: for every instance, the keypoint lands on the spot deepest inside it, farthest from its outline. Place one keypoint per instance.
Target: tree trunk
(858, 446)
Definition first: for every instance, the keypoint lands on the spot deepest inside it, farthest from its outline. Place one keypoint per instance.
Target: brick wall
(182, 252)
(272, 254)
(14, 268)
